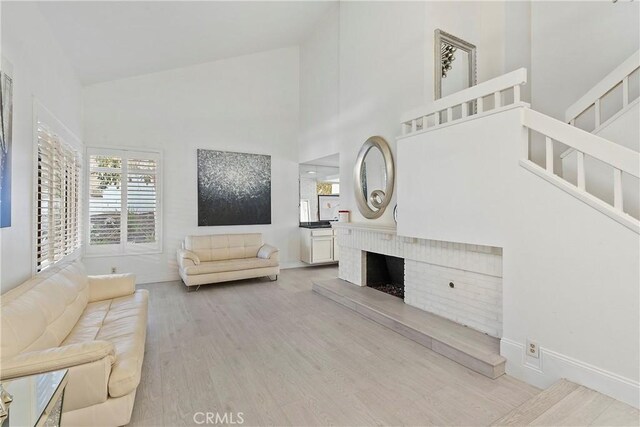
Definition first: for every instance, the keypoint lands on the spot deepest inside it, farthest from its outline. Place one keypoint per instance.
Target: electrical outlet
(113, 270)
(532, 349)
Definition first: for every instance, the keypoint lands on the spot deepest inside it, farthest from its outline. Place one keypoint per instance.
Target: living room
(241, 180)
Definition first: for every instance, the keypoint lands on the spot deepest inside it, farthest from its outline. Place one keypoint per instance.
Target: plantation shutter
(57, 199)
(124, 202)
(105, 200)
(142, 219)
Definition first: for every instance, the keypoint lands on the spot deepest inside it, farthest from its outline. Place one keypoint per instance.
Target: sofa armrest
(110, 286)
(268, 252)
(187, 258)
(51, 359)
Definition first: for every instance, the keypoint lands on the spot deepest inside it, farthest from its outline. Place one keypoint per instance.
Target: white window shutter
(57, 199)
(124, 202)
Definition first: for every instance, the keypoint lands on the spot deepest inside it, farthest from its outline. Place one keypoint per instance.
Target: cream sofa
(224, 257)
(93, 325)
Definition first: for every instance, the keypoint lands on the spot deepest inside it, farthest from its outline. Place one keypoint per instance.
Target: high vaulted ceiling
(108, 40)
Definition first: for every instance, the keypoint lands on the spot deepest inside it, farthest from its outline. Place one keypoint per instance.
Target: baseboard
(292, 264)
(150, 278)
(552, 366)
(143, 279)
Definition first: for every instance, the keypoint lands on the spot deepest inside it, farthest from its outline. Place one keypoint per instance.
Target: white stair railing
(619, 158)
(470, 101)
(619, 76)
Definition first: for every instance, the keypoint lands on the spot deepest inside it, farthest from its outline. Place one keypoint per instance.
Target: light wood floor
(569, 404)
(283, 355)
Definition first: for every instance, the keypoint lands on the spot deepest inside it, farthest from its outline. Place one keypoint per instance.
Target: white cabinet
(318, 245)
(321, 249)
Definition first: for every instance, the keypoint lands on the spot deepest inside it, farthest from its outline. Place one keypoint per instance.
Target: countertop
(319, 224)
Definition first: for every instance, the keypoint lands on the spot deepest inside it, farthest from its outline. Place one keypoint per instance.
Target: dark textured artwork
(233, 188)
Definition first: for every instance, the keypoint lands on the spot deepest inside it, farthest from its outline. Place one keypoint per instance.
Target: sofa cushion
(111, 286)
(89, 323)
(41, 312)
(230, 265)
(224, 246)
(123, 322)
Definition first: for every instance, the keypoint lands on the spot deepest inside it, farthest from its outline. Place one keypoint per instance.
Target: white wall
(319, 71)
(386, 54)
(385, 67)
(246, 104)
(573, 46)
(517, 41)
(382, 51)
(41, 72)
(624, 128)
(570, 273)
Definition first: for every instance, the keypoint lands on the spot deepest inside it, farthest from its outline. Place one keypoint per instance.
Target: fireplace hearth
(386, 274)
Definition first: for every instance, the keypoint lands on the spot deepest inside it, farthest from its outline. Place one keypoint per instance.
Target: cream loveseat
(224, 257)
(93, 325)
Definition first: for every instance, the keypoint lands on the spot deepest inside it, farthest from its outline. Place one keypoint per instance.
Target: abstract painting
(6, 124)
(233, 188)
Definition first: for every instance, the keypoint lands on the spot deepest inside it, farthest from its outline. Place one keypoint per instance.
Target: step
(537, 405)
(468, 347)
(567, 403)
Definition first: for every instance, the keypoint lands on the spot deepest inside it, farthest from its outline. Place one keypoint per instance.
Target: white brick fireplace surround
(430, 267)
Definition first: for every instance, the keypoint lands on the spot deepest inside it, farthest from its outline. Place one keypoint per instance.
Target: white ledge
(480, 90)
(384, 229)
(461, 120)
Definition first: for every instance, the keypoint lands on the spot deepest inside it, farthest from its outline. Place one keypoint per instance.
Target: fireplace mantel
(388, 232)
(365, 226)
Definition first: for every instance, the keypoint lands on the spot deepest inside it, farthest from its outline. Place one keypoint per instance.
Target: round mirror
(373, 177)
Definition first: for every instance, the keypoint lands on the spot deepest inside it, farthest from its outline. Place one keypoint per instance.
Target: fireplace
(458, 281)
(386, 274)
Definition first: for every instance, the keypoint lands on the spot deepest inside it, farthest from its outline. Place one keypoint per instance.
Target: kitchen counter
(320, 224)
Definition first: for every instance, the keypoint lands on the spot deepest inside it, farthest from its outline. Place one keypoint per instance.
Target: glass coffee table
(37, 399)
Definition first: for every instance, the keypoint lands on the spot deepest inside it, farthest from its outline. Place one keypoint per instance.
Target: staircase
(503, 93)
(566, 403)
(610, 110)
(570, 265)
(623, 80)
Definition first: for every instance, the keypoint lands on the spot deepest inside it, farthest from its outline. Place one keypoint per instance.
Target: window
(57, 199)
(124, 202)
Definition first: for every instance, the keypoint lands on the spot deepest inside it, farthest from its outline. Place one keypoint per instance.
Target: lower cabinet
(321, 249)
(318, 246)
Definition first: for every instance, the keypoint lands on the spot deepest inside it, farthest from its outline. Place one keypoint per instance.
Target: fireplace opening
(386, 274)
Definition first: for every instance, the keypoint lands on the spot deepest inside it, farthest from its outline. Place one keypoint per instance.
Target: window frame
(123, 248)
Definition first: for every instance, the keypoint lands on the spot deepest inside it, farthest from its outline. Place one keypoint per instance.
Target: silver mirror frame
(458, 43)
(381, 144)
